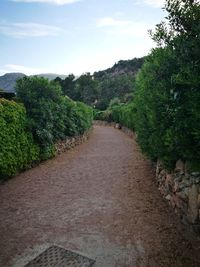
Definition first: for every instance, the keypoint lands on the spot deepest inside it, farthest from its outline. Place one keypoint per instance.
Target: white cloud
(54, 2)
(19, 68)
(22, 30)
(153, 3)
(129, 28)
(109, 21)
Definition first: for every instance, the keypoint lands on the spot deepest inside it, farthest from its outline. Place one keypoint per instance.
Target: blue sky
(74, 36)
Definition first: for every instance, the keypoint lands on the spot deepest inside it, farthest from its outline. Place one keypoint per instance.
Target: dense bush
(167, 88)
(51, 115)
(105, 115)
(83, 115)
(124, 114)
(155, 107)
(29, 135)
(17, 148)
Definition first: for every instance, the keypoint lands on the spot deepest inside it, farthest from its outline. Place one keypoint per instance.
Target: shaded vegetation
(99, 89)
(165, 110)
(17, 147)
(30, 130)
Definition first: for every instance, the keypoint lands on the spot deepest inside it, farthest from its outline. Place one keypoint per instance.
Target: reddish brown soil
(100, 200)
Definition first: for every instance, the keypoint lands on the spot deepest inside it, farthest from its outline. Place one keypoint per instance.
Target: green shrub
(83, 116)
(17, 148)
(124, 114)
(155, 107)
(105, 115)
(51, 115)
(30, 135)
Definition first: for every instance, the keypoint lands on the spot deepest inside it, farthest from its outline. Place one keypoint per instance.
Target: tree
(86, 89)
(42, 100)
(67, 85)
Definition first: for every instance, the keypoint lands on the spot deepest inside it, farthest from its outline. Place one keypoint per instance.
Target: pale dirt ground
(100, 200)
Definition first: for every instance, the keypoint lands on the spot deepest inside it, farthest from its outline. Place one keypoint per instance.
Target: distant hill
(8, 80)
(52, 76)
(128, 67)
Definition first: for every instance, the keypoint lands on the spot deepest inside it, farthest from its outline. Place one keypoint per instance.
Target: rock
(117, 126)
(193, 211)
(168, 197)
(159, 166)
(180, 166)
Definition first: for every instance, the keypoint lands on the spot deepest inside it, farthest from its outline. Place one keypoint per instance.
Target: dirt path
(98, 199)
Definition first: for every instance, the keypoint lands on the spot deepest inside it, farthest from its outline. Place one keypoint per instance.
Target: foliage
(103, 115)
(167, 89)
(87, 89)
(67, 85)
(111, 87)
(124, 114)
(155, 107)
(83, 115)
(99, 89)
(17, 148)
(51, 115)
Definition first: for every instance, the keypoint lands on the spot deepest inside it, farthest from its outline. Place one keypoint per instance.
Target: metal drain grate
(59, 257)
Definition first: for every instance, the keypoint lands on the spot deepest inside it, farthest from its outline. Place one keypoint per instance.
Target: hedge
(31, 127)
(17, 147)
(52, 116)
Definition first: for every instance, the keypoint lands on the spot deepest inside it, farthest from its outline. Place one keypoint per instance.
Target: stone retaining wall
(71, 142)
(182, 190)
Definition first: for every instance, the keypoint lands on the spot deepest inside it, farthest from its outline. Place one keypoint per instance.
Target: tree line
(98, 89)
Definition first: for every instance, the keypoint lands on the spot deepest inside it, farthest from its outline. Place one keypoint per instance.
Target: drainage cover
(59, 257)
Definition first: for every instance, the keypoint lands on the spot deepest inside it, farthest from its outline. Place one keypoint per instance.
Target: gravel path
(99, 200)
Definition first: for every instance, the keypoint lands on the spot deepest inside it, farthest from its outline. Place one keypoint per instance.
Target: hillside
(117, 81)
(8, 80)
(128, 67)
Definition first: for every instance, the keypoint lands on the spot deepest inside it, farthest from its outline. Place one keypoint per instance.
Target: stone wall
(71, 142)
(182, 190)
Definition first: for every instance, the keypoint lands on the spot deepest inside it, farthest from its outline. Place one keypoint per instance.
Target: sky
(74, 36)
